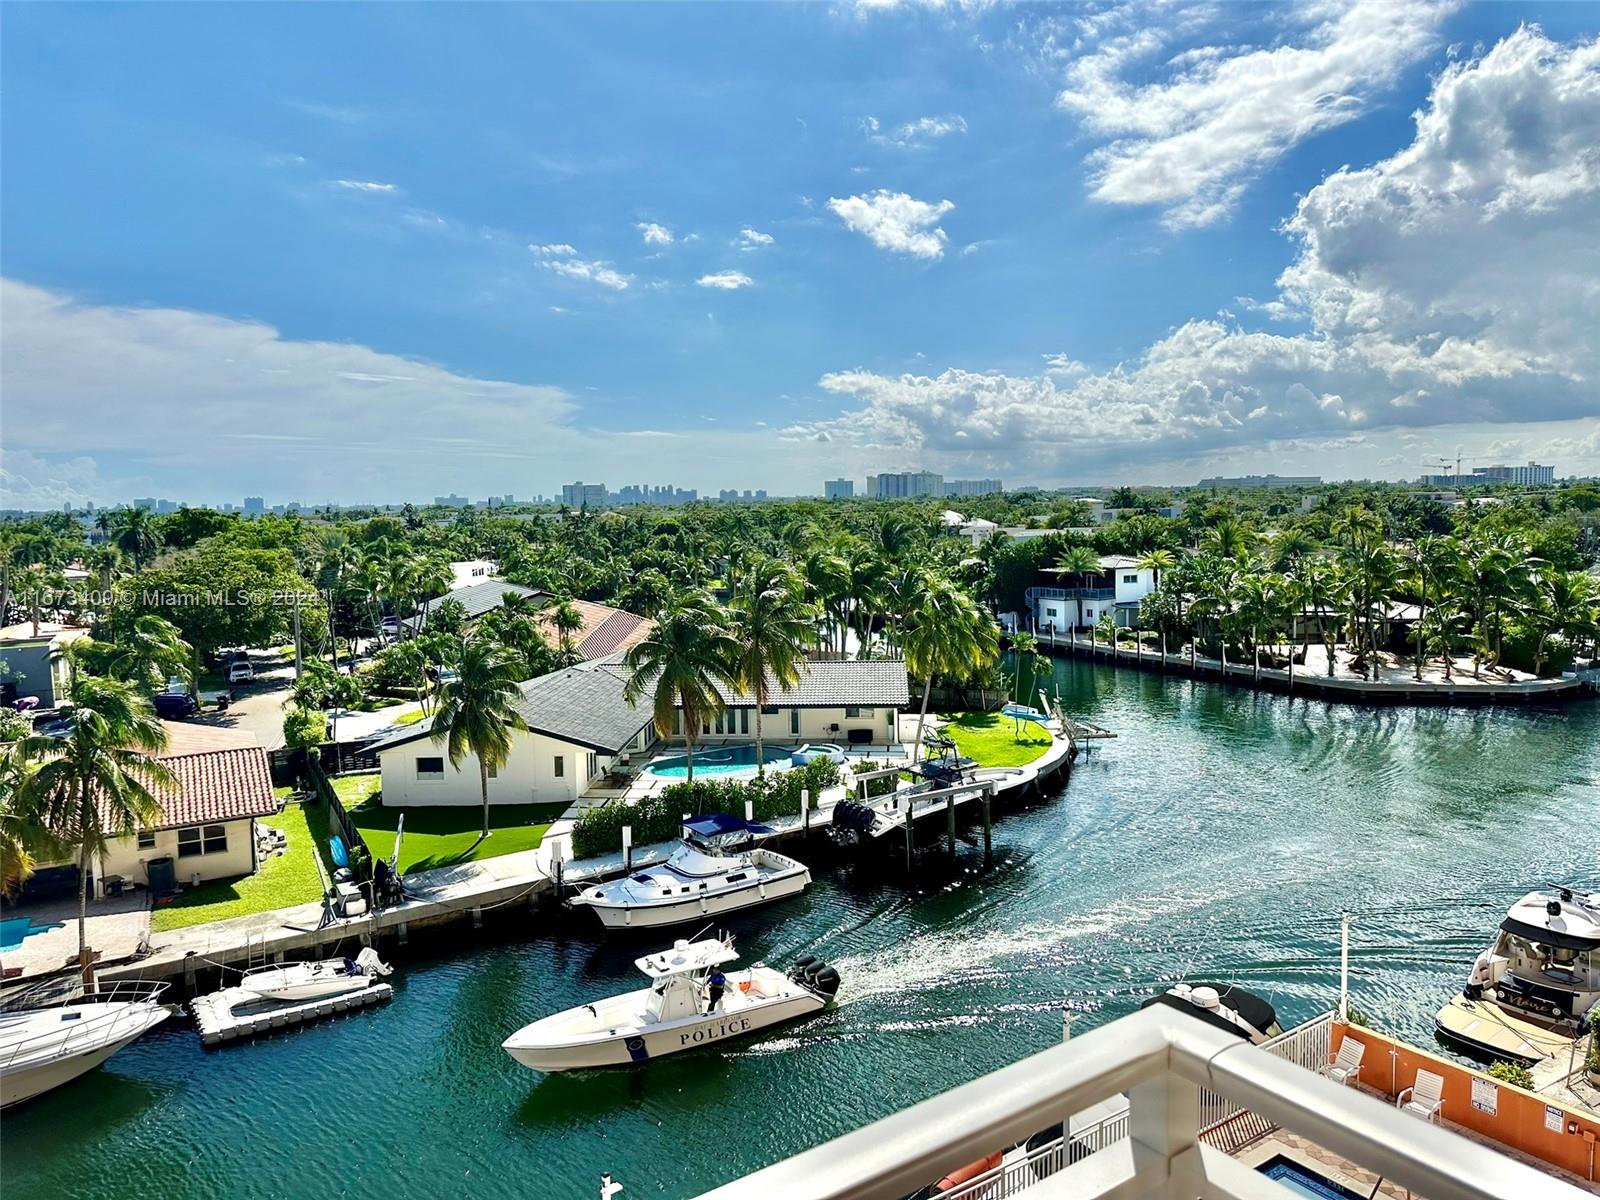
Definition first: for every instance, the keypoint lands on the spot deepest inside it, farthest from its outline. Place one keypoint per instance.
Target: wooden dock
(236, 1012)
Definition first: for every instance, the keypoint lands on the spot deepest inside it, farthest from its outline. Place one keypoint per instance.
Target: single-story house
(1116, 588)
(856, 701)
(577, 725)
(471, 571)
(605, 630)
(33, 661)
(207, 828)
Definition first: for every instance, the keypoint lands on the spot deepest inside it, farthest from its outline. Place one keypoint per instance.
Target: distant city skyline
(767, 245)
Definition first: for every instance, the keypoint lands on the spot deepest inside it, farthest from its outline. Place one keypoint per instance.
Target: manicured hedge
(658, 818)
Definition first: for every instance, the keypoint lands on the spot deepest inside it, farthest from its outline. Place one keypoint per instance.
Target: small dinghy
(706, 876)
(678, 1011)
(314, 980)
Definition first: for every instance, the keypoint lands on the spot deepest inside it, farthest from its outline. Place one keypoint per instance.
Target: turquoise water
(1218, 836)
(14, 929)
(720, 760)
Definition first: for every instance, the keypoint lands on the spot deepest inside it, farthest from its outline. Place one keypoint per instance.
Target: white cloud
(728, 281)
(752, 239)
(1451, 282)
(655, 235)
(1191, 139)
(561, 260)
(896, 221)
(914, 135)
(364, 185)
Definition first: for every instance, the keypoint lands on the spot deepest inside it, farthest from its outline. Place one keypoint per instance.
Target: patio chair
(1346, 1064)
(1424, 1098)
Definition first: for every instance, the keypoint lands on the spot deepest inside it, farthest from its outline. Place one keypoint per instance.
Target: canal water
(1218, 837)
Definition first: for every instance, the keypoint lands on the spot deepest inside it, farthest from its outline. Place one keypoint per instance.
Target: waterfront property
(604, 630)
(33, 661)
(577, 722)
(853, 702)
(1076, 600)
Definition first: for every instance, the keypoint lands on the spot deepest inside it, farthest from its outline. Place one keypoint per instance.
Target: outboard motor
(815, 975)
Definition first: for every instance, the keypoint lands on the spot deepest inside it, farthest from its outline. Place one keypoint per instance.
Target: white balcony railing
(1164, 1061)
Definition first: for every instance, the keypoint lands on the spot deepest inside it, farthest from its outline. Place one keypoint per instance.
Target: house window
(852, 712)
(744, 720)
(769, 710)
(677, 723)
(594, 764)
(147, 840)
(494, 771)
(794, 721)
(1130, 579)
(430, 768)
(206, 839)
(561, 766)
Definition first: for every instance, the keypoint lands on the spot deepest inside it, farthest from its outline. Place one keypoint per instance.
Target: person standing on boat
(717, 982)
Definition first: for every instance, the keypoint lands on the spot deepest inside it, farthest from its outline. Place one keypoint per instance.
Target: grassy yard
(441, 837)
(993, 741)
(286, 879)
(410, 718)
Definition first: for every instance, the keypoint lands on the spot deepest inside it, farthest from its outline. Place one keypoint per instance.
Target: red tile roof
(218, 785)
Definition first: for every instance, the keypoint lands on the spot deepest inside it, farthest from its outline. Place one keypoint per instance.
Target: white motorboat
(676, 1012)
(1224, 1005)
(706, 876)
(43, 1048)
(314, 980)
(1532, 993)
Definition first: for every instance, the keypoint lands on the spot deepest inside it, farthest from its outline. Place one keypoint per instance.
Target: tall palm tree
(1082, 561)
(774, 627)
(478, 710)
(99, 782)
(683, 663)
(23, 840)
(149, 652)
(567, 620)
(946, 634)
(137, 536)
(1156, 561)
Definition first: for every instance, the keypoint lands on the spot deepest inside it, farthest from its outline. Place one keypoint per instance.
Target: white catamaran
(682, 1009)
(706, 876)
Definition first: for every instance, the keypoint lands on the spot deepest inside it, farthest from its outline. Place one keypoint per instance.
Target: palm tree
(1565, 607)
(1156, 561)
(774, 627)
(947, 634)
(1227, 539)
(137, 536)
(99, 782)
(567, 621)
(1081, 561)
(150, 652)
(478, 710)
(23, 840)
(683, 662)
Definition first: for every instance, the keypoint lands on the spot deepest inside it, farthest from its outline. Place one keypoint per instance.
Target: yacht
(314, 980)
(707, 875)
(1532, 994)
(1225, 1005)
(676, 1012)
(44, 1047)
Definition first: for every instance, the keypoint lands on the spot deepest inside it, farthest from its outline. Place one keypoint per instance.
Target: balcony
(1193, 1092)
(1035, 594)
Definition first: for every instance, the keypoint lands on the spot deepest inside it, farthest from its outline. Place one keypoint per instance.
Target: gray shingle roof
(582, 705)
(873, 683)
(479, 598)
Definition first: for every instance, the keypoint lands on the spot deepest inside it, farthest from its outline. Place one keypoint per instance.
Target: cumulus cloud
(563, 261)
(364, 185)
(553, 250)
(1451, 282)
(727, 281)
(655, 235)
(1192, 138)
(914, 135)
(754, 239)
(896, 221)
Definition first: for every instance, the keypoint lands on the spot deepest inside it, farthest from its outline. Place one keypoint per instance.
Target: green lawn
(441, 837)
(410, 718)
(993, 741)
(283, 880)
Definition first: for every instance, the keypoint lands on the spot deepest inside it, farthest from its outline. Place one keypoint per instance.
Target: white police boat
(676, 1012)
(706, 876)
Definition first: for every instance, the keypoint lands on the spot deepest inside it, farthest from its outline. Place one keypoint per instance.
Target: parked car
(174, 706)
(390, 625)
(241, 672)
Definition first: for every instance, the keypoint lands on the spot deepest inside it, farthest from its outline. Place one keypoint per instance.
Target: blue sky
(330, 252)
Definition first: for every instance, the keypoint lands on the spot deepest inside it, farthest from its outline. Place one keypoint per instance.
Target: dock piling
(988, 826)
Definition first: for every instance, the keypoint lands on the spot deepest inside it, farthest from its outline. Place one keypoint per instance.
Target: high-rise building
(1532, 474)
(148, 503)
(839, 489)
(972, 487)
(1261, 481)
(905, 485)
(451, 501)
(583, 495)
(254, 506)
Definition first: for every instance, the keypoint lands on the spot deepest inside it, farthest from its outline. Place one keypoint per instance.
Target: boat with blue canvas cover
(714, 870)
(690, 1003)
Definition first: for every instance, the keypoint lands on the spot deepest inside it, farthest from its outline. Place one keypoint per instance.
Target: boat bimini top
(716, 830)
(1568, 919)
(686, 957)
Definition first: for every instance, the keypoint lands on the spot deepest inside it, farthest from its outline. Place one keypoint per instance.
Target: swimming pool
(13, 930)
(1303, 1181)
(717, 760)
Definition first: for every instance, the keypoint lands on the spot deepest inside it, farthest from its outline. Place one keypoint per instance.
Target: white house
(1077, 602)
(474, 570)
(577, 724)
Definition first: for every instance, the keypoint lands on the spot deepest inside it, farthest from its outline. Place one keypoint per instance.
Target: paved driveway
(258, 708)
